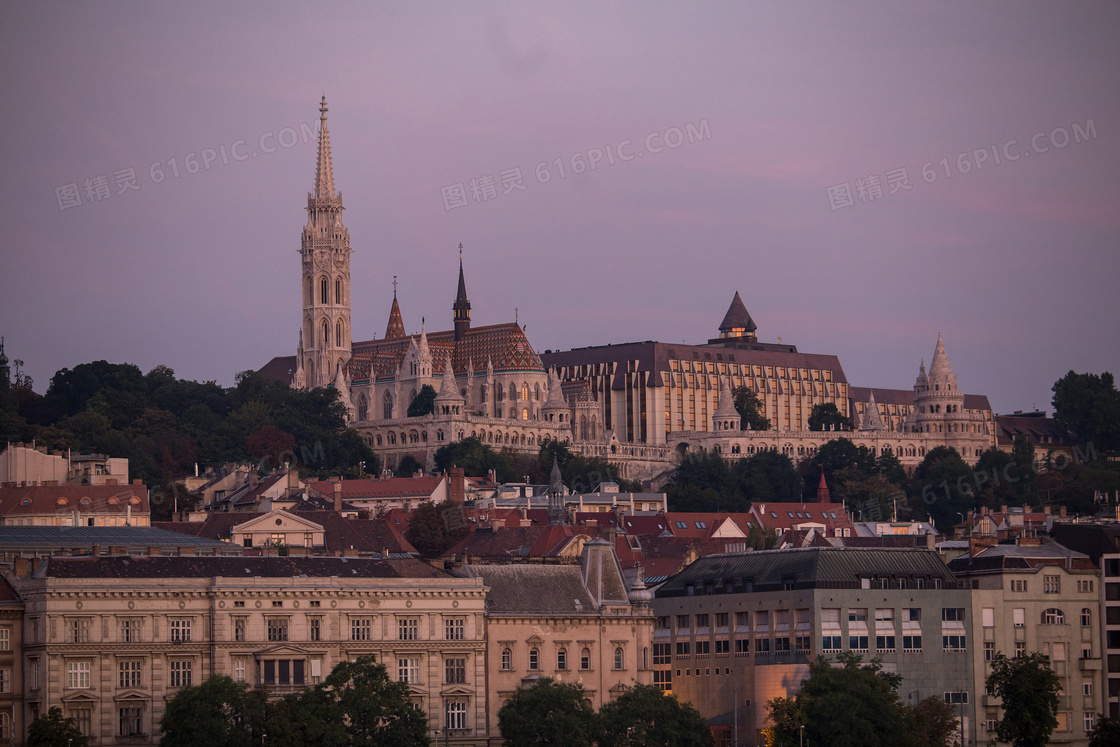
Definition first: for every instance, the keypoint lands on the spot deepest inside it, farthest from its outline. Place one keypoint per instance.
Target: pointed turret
(555, 408)
(324, 169)
(940, 372)
(737, 322)
(556, 492)
(449, 401)
(395, 329)
(299, 379)
(823, 495)
(871, 420)
(726, 417)
(462, 305)
(343, 392)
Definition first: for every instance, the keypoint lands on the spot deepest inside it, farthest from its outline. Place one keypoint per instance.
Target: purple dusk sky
(1015, 261)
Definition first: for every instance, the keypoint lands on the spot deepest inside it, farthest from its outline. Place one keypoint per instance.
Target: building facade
(733, 632)
(110, 640)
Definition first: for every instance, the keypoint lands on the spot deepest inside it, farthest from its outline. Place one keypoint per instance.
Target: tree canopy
(433, 529)
(708, 482)
(1089, 406)
(217, 712)
(750, 409)
(424, 403)
(643, 715)
(549, 712)
(857, 705)
(1029, 690)
(52, 729)
(826, 417)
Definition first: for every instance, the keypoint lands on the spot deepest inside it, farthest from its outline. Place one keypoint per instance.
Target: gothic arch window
(583, 427)
(323, 290)
(363, 408)
(524, 413)
(594, 423)
(512, 391)
(378, 439)
(524, 391)
(392, 438)
(338, 291)
(338, 334)
(619, 658)
(388, 407)
(537, 392)
(309, 298)
(325, 335)
(311, 374)
(500, 393)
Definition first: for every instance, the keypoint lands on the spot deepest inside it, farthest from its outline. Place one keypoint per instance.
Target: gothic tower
(938, 403)
(325, 254)
(462, 305)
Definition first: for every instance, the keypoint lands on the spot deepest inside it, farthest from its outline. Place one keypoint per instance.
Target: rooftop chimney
(338, 497)
(457, 485)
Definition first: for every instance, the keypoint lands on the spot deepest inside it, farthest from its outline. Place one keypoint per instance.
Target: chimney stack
(338, 497)
(457, 485)
(22, 567)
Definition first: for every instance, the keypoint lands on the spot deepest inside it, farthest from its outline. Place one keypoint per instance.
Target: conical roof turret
(737, 321)
(726, 407)
(448, 390)
(555, 399)
(395, 328)
(939, 367)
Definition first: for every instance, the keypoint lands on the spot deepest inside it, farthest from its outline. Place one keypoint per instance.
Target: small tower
(462, 305)
(555, 495)
(5, 372)
(555, 408)
(737, 323)
(325, 259)
(871, 420)
(823, 496)
(449, 401)
(938, 403)
(726, 418)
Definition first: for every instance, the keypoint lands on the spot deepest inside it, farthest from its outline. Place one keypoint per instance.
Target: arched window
(524, 391)
(512, 391)
(562, 659)
(537, 392)
(1086, 617)
(378, 439)
(583, 427)
(619, 658)
(524, 413)
(338, 291)
(5, 726)
(1053, 616)
(324, 334)
(338, 334)
(363, 408)
(585, 659)
(323, 290)
(500, 393)
(388, 406)
(392, 439)
(309, 298)
(310, 374)
(507, 659)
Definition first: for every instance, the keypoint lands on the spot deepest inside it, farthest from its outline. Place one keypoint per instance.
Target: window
(82, 716)
(180, 631)
(77, 674)
(801, 643)
(911, 644)
(278, 539)
(830, 644)
(953, 643)
(361, 629)
(1086, 617)
(239, 629)
(703, 648)
(1051, 584)
(79, 630)
(131, 717)
(130, 673)
(239, 603)
(857, 643)
(684, 648)
(454, 629)
(1019, 584)
(1085, 585)
(34, 675)
(5, 680)
(723, 647)
(5, 639)
(682, 622)
(884, 644)
(762, 647)
(408, 671)
(534, 659)
(1088, 720)
(1020, 649)
(988, 617)
(130, 631)
(1019, 617)
(181, 672)
(315, 629)
(952, 614)
(661, 623)
(781, 645)
(721, 619)
(742, 646)
(585, 659)
(408, 629)
(507, 659)
(663, 680)
(562, 658)
(619, 658)
(1087, 688)
(662, 654)
(989, 651)
(239, 670)
(1053, 616)
(957, 697)
(456, 715)
(278, 629)
(701, 621)
(315, 603)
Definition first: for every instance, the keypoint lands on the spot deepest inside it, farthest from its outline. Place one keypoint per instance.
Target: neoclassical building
(640, 405)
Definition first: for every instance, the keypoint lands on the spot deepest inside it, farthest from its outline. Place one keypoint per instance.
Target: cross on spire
(394, 286)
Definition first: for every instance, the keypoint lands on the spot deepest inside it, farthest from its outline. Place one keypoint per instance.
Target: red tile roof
(390, 487)
(65, 499)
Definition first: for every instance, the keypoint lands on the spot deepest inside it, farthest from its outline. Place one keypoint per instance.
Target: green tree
(750, 409)
(768, 476)
(424, 402)
(434, 529)
(932, 723)
(1089, 406)
(643, 715)
(826, 417)
(1029, 689)
(475, 457)
(1105, 733)
(217, 712)
(839, 458)
(943, 486)
(852, 705)
(52, 729)
(700, 472)
(358, 705)
(1025, 487)
(549, 712)
(408, 466)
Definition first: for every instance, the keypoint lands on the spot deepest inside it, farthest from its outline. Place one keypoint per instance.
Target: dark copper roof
(737, 317)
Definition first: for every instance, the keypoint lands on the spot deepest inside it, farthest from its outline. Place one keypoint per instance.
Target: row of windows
(562, 659)
(801, 618)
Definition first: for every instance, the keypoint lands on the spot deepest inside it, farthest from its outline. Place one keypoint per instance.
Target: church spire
(462, 305)
(324, 171)
(395, 328)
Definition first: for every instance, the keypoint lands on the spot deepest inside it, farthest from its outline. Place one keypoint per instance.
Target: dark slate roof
(1041, 430)
(737, 316)
(235, 567)
(281, 368)
(808, 568)
(522, 588)
(905, 397)
(104, 536)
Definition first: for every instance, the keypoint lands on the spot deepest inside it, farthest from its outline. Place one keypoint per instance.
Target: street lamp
(801, 735)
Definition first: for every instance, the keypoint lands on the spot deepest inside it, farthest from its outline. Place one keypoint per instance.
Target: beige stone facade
(111, 640)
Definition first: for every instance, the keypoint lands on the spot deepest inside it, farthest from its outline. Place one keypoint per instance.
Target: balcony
(1089, 665)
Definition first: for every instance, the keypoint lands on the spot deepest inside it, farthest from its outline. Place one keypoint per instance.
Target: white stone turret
(449, 401)
(871, 420)
(726, 417)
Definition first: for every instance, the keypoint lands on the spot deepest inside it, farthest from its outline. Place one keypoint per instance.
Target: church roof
(737, 317)
(395, 329)
(504, 344)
